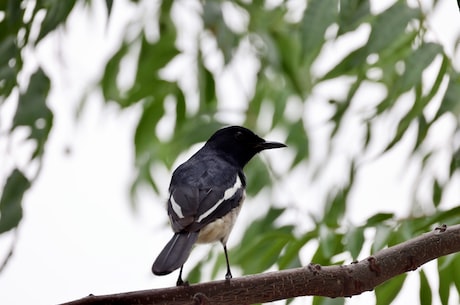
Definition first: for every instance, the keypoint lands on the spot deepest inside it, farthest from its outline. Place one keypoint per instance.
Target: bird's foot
(228, 276)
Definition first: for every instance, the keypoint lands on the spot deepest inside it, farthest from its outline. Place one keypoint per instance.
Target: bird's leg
(180, 282)
(228, 275)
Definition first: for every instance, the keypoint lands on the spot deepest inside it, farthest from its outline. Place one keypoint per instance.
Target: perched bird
(206, 193)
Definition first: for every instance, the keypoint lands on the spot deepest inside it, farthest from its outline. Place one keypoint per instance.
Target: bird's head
(239, 143)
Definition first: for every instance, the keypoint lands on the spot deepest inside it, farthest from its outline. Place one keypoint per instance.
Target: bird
(205, 195)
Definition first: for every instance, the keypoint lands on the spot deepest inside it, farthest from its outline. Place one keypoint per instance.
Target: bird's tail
(175, 253)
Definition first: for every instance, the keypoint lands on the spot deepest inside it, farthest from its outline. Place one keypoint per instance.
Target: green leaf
(352, 14)
(437, 192)
(207, 88)
(298, 139)
(11, 200)
(389, 25)
(109, 80)
(318, 16)
(290, 257)
(445, 278)
(450, 101)
(425, 289)
(266, 248)
(33, 112)
(378, 219)
(57, 12)
(330, 245)
(382, 235)
(354, 241)
(415, 64)
(387, 292)
(328, 301)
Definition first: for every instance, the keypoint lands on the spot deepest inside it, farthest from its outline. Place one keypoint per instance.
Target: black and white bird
(206, 193)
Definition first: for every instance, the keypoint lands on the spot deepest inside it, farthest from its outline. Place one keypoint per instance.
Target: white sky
(79, 234)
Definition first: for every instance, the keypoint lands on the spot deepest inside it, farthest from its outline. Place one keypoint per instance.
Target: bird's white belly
(219, 229)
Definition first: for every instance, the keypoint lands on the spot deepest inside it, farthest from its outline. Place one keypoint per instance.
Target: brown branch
(330, 281)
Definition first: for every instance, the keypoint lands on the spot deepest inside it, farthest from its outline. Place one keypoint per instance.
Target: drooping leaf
(354, 241)
(425, 289)
(56, 13)
(11, 200)
(318, 16)
(387, 292)
(33, 112)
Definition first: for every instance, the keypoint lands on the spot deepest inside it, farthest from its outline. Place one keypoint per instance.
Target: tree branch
(329, 281)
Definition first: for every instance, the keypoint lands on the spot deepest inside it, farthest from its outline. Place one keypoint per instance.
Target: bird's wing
(209, 195)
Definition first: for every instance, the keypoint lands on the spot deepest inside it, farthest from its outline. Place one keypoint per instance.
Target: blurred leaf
(112, 69)
(265, 247)
(378, 219)
(257, 175)
(207, 88)
(450, 101)
(318, 16)
(425, 289)
(445, 278)
(33, 112)
(290, 257)
(10, 53)
(11, 200)
(298, 139)
(382, 234)
(214, 21)
(437, 192)
(328, 301)
(389, 26)
(354, 241)
(387, 292)
(352, 14)
(415, 64)
(330, 245)
(57, 12)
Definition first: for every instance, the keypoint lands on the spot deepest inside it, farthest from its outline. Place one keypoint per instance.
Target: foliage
(288, 46)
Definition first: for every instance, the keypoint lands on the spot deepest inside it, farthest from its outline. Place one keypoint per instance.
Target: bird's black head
(239, 144)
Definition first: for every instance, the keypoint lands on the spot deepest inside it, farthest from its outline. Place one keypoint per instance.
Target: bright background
(79, 234)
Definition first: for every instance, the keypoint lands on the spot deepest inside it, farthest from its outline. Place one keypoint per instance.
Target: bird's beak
(270, 145)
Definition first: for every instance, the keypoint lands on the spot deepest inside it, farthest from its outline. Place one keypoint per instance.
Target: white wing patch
(176, 207)
(229, 193)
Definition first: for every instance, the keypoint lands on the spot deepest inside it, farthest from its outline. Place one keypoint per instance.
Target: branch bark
(329, 281)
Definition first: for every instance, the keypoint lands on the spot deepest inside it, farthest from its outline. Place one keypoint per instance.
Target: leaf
(378, 219)
(425, 289)
(290, 257)
(318, 16)
(415, 64)
(298, 139)
(207, 88)
(352, 14)
(445, 278)
(328, 301)
(33, 112)
(387, 292)
(450, 101)
(382, 234)
(265, 247)
(11, 200)
(57, 12)
(354, 241)
(389, 25)
(109, 79)
(437, 192)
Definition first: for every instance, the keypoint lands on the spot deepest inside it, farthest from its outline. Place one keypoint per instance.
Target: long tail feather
(175, 253)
